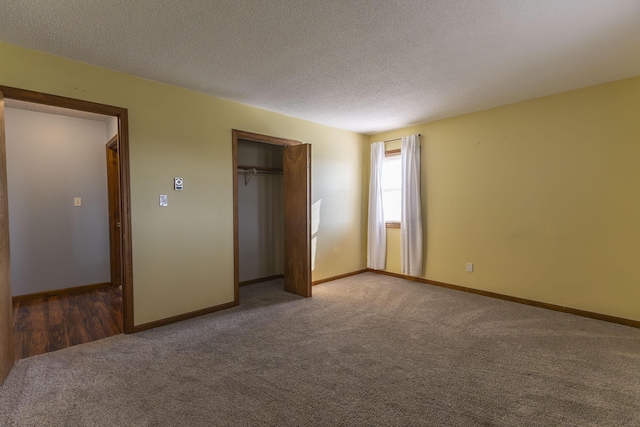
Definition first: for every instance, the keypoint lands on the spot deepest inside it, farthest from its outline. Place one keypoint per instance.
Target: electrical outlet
(77, 201)
(470, 267)
(163, 200)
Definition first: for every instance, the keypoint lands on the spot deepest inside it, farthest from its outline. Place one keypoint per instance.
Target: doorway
(296, 195)
(120, 246)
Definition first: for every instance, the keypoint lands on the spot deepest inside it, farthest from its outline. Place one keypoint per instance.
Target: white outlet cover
(164, 200)
(470, 267)
(77, 201)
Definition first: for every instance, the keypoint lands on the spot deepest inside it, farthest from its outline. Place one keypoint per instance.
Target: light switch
(163, 200)
(77, 201)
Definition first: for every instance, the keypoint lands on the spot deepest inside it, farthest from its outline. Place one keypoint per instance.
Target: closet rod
(250, 171)
(257, 169)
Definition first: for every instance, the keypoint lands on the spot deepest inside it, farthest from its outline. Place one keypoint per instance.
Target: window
(391, 187)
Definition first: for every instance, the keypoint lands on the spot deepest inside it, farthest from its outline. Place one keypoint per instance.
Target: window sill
(392, 224)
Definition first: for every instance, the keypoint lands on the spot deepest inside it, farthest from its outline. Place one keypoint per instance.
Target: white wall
(260, 213)
(50, 160)
(112, 127)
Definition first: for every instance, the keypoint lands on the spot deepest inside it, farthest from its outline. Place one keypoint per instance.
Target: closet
(271, 211)
(260, 211)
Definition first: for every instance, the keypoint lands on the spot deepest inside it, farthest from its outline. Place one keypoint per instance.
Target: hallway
(55, 322)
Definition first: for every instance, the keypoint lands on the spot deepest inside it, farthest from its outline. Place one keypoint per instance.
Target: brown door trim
(113, 192)
(248, 136)
(125, 192)
(113, 143)
(6, 307)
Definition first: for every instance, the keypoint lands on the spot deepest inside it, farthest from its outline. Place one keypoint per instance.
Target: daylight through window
(391, 188)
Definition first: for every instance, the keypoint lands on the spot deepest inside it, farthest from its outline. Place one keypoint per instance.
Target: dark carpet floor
(368, 350)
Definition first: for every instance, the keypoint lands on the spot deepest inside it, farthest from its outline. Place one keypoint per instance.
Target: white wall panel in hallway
(51, 160)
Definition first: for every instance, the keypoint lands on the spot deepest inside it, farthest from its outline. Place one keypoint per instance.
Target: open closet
(260, 211)
(272, 211)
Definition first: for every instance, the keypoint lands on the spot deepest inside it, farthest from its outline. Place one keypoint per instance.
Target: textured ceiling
(362, 65)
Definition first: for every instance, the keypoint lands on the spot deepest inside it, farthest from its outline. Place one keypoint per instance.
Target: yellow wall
(543, 196)
(183, 254)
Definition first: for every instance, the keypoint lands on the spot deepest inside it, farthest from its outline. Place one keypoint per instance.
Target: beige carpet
(366, 350)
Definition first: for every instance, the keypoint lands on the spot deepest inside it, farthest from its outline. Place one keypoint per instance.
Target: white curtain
(411, 214)
(377, 230)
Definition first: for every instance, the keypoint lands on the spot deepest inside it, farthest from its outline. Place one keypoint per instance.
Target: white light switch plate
(164, 200)
(77, 201)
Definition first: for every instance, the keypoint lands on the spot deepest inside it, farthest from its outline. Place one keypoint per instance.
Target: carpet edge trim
(339, 276)
(548, 306)
(180, 317)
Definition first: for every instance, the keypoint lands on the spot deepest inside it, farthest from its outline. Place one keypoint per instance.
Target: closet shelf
(258, 169)
(249, 171)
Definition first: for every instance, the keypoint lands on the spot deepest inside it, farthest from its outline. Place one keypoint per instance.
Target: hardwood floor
(55, 322)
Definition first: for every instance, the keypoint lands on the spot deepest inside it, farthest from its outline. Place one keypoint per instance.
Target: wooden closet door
(6, 307)
(297, 219)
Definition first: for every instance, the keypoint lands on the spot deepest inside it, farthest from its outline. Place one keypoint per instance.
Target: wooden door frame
(6, 307)
(125, 193)
(113, 193)
(255, 137)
